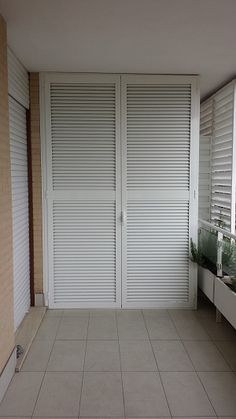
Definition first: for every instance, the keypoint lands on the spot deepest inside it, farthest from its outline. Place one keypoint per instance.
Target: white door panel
(156, 142)
(84, 192)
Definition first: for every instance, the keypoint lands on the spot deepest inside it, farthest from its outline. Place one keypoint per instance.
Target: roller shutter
(18, 90)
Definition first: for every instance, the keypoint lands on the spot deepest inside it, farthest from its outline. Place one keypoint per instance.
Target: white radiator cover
(121, 169)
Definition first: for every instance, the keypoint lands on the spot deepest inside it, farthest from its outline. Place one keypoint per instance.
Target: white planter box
(225, 301)
(206, 281)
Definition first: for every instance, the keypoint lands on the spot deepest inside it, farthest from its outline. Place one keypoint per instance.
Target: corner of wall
(7, 341)
(36, 184)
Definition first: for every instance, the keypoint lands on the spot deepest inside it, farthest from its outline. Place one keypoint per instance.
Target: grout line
(196, 372)
(223, 355)
(85, 353)
(158, 371)
(121, 372)
(46, 367)
(182, 340)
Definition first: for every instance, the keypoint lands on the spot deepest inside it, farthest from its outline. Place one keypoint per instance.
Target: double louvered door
(118, 190)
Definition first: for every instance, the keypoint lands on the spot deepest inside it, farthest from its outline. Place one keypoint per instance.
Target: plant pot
(206, 281)
(225, 301)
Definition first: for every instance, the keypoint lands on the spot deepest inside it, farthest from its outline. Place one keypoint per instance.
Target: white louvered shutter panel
(206, 131)
(18, 80)
(157, 177)
(19, 179)
(222, 151)
(204, 177)
(82, 193)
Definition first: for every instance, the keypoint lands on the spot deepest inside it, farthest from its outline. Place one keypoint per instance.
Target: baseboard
(7, 374)
(27, 332)
(39, 300)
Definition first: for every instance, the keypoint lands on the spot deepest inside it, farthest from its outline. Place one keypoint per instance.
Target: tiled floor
(130, 363)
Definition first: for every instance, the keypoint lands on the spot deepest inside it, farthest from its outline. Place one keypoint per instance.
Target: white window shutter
(20, 210)
(18, 80)
(222, 151)
(217, 121)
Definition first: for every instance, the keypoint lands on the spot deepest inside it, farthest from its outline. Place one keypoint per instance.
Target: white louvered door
(121, 205)
(158, 190)
(83, 191)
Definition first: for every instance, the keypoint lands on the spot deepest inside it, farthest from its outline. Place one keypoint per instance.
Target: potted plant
(205, 256)
(225, 287)
(220, 290)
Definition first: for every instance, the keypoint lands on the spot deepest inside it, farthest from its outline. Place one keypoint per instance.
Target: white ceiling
(126, 36)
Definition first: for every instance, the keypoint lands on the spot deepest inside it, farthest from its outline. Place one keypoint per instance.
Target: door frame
(45, 78)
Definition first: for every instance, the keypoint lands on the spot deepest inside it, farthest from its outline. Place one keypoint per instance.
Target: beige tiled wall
(37, 182)
(6, 255)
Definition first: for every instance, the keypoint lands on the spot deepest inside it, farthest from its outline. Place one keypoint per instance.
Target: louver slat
(157, 263)
(84, 252)
(19, 180)
(157, 130)
(18, 82)
(83, 202)
(83, 136)
(222, 150)
(158, 144)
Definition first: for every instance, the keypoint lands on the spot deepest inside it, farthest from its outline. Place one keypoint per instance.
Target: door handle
(123, 217)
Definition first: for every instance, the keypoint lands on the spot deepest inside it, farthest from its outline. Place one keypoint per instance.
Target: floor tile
(131, 325)
(72, 328)
(102, 355)
(76, 312)
(67, 355)
(102, 394)
(171, 356)
(59, 395)
(154, 314)
(189, 328)
(48, 328)
(102, 326)
(15, 417)
(38, 356)
(219, 331)
(186, 395)
(228, 350)
(161, 328)
(179, 314)
(144, 395)
(221, 390)
(54, 313)
(101, 312)
(137, 357)
(205, 356)
(21, 394)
